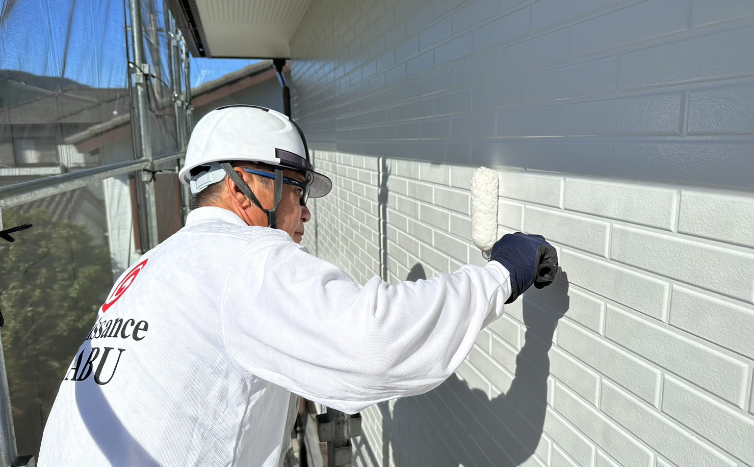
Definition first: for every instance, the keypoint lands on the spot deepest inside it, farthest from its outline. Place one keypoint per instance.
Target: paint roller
(484, 194)
(484, 186)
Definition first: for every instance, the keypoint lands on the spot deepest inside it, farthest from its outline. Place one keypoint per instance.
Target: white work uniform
(200, 345)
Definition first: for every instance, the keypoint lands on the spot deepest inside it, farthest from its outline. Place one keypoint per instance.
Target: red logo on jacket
(123, 285)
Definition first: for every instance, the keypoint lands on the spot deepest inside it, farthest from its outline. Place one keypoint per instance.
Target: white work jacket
(198, 348)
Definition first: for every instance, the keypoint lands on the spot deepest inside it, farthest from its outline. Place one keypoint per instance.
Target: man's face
(291, 216)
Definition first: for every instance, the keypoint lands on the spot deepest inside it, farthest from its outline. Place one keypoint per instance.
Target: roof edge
(187, 19)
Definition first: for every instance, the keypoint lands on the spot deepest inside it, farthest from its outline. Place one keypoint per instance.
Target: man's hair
(210, 195)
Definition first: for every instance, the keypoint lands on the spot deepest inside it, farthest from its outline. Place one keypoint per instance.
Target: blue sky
(82, 40)
(209, 69)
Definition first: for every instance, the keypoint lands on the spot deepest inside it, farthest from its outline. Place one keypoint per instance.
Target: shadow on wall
(455, 425)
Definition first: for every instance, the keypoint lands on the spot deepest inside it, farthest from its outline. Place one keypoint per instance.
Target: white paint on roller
(484, 185)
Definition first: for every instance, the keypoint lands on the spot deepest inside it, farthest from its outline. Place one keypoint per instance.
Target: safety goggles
(304, 197)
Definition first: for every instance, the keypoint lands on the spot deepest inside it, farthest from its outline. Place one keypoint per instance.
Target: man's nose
(306, 215)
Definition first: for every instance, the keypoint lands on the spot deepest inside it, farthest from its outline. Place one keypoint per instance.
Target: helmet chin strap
(272, 218)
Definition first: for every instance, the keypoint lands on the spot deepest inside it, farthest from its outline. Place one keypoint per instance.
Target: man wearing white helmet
(200, 349)
(274, 141)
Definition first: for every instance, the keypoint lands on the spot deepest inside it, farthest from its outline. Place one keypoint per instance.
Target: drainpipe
(279, 63)
(335, 427)
(382, 198)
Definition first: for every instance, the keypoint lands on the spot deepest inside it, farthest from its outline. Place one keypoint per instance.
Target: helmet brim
(321, 185)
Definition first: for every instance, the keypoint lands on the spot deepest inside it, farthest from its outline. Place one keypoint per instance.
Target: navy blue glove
(529, 259)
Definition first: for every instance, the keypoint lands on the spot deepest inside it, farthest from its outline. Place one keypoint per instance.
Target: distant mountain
(17, 87)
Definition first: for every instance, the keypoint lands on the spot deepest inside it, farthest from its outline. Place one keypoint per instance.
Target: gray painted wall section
(622, 131)
(658, 90)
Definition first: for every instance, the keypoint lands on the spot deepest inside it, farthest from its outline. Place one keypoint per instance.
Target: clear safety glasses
(303, 196)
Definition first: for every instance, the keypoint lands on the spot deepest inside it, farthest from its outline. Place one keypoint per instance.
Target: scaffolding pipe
(8, 451)
(187, 87)
(187, 115)
(337, 429)
(140, 69)
(175, 62)
(26, 192)
(172, 40)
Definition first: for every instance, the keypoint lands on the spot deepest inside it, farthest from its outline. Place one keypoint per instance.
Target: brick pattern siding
(623, 132)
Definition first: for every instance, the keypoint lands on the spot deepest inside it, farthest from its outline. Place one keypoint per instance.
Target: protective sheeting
(65, 105)
(65, 84)
(62, 71)
(161, 72)
(54, 277)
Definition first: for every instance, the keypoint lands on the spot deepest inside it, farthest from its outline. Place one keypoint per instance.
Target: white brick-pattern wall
(345, 225)
(623, 131)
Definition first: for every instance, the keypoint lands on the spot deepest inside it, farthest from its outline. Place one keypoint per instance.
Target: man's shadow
(455, 425)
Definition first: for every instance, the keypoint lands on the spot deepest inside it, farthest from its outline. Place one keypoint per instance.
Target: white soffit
(250, 28)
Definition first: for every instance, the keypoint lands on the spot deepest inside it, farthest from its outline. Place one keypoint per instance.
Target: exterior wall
(622, 131)
(119, 210)
(345, 226)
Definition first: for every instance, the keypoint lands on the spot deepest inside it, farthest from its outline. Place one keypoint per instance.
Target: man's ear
(236, 195)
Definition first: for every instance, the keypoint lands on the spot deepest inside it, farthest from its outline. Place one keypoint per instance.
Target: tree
(52, 284)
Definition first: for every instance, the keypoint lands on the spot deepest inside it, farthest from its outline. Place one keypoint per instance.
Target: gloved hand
(528, 258)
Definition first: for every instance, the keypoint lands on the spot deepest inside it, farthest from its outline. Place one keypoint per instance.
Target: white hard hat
(247, 133)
